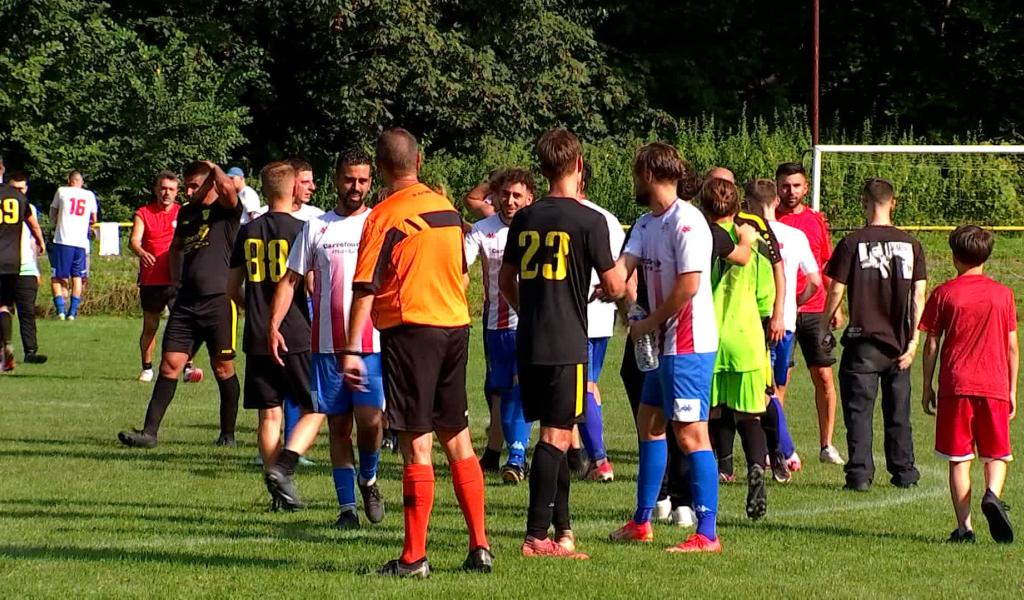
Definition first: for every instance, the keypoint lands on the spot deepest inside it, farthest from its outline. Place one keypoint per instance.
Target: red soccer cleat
(697, 543)
(547, 547)
(633, 532)
(192, 374)
(600, 472)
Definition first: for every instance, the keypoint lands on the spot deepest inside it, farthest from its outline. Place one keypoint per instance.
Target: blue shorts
(67, 261)
(596, 348)
(501, 359)
(330, 394)
(782, 358)
(681, 385)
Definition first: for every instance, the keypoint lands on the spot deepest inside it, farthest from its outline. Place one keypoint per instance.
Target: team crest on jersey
(197, 241)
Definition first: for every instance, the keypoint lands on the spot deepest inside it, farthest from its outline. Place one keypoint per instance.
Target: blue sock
(58, 303)
(514, 426)
(785, 439)
(292, 414)
(368, 465)
(653, 456)
(592, 430)
(704, 483)
(345, 486)
(75, 301)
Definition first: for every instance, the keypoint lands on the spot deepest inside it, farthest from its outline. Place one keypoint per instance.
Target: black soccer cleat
(137, 439)
(396, 568)
(282, 487)
(757, 495)
(857, 486)
(961, 537)
(480, 560)
(373, 504)
(34, 358)
(347, 519)
(780, 468)
(226, 440)
(998, 521)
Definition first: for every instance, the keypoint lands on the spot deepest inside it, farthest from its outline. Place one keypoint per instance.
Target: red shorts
(966, 422)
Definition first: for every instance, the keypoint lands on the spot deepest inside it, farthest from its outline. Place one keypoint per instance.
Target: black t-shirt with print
(207, 236)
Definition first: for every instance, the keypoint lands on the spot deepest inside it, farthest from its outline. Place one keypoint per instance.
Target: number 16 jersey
(555, 243)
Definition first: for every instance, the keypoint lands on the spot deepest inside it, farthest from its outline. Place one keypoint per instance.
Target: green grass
(81, 516)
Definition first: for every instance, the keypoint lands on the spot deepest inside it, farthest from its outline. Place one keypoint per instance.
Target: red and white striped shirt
(328, 246)
(486, 240)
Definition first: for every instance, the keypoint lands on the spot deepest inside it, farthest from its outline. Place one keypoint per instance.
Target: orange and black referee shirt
(411, 257)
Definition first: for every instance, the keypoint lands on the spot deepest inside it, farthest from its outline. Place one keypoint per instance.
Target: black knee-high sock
(6, 330)
(163, 393)
(229, 391)
(678, 473)
(723, 437)
(560, 513)
(547, 461)
(755, 447)
(770, 424)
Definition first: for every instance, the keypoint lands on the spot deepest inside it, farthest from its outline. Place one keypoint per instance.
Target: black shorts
(8, 283)
(154, 298)
(211, 320)
(268, 383)
(808, 335)
(425, 377)
(553, 394)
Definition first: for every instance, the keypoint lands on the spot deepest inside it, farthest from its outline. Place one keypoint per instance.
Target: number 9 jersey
(555, 243)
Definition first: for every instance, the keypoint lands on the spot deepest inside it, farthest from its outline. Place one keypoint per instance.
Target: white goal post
(895, 149)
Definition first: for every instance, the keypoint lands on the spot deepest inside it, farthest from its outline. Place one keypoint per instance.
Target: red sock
(418, 501)
(468, 481)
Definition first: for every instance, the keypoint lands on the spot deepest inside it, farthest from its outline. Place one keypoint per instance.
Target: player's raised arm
(227, 195)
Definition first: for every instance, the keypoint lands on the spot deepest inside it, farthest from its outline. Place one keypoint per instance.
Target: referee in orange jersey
(409, 275)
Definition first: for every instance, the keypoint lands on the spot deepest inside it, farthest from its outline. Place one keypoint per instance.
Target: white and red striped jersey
(667, 245)
(796, 258)
(486, 240)
(328, 246)
(601, 315)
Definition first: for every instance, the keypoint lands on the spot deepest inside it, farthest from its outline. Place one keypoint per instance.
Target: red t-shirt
(156, 239)
(976, 316)
(815, 227)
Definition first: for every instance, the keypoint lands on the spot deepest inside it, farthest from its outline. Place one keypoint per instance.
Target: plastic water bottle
(646, 346)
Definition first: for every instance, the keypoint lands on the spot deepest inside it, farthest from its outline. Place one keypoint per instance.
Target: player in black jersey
(14, 215)
(202, 313)
(552, 247)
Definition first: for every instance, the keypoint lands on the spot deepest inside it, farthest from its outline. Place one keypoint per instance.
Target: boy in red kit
(978, 381)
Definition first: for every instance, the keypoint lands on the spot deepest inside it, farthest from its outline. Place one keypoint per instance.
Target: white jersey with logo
(306, 212)
(250, 201)
(796, 255)
(76, 210)
(601, 315)
(675, 242)
(328, 246)
(486, 240)
(29, 262)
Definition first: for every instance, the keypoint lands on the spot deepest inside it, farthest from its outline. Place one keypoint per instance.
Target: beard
(352, 202)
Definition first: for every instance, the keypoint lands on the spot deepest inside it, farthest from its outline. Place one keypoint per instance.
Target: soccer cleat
(697, 543)
(532, 547)
(34, 358)
(794, 463)
(347, 519)
(305, 462)
(683, 516)
(830, 456)
(600, 472)
(512, 474)
(281, 486)
(396, 568)
(757, 496)
(998, 521)
(8, 362)
(857, 486)
(780, 468)
(71, 317)
(480, 560)
(961, 537)
(192, 374)
(137, 439)
(663, 510)
(633, 532)
(146, 375)
(566, 539)
(226, 440)
(61, 316)
(373, 505)
(390, 441)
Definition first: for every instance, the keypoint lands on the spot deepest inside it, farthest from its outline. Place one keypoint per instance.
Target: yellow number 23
(558, 241)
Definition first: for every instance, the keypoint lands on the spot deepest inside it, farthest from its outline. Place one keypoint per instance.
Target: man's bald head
(721, 173)
(397, 153)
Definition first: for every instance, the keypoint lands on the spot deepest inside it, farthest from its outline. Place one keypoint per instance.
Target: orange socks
(468, 480)
(418, 501)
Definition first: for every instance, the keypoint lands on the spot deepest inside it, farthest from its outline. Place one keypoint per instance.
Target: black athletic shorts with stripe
(210, 320)
(268, 383)
(553, 394)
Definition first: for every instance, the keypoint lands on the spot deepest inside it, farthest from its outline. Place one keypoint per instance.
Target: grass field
(81, 516)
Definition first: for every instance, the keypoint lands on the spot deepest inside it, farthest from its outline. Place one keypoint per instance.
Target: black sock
(146, 366)
(770, 424)
(288, 459)
(547, 460)
(228, 405)
(575, 457)
(755, 447)
(163, 393)
(491, 457)
(678, 472)
(723, 437)
(5, 328)
(560, 512)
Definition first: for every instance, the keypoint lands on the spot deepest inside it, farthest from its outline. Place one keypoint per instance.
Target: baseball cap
(236, 172)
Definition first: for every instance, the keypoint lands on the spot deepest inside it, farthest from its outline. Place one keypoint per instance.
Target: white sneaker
(61, 316)
(663, 510)
(146, 375)
(71, 317)
(830, 455)
(683, 517)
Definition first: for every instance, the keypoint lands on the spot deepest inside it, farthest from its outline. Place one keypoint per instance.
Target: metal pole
(816, 179)
(815, 89)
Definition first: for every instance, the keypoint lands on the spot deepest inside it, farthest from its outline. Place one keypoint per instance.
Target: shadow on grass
(158, 556)
(830, 531)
